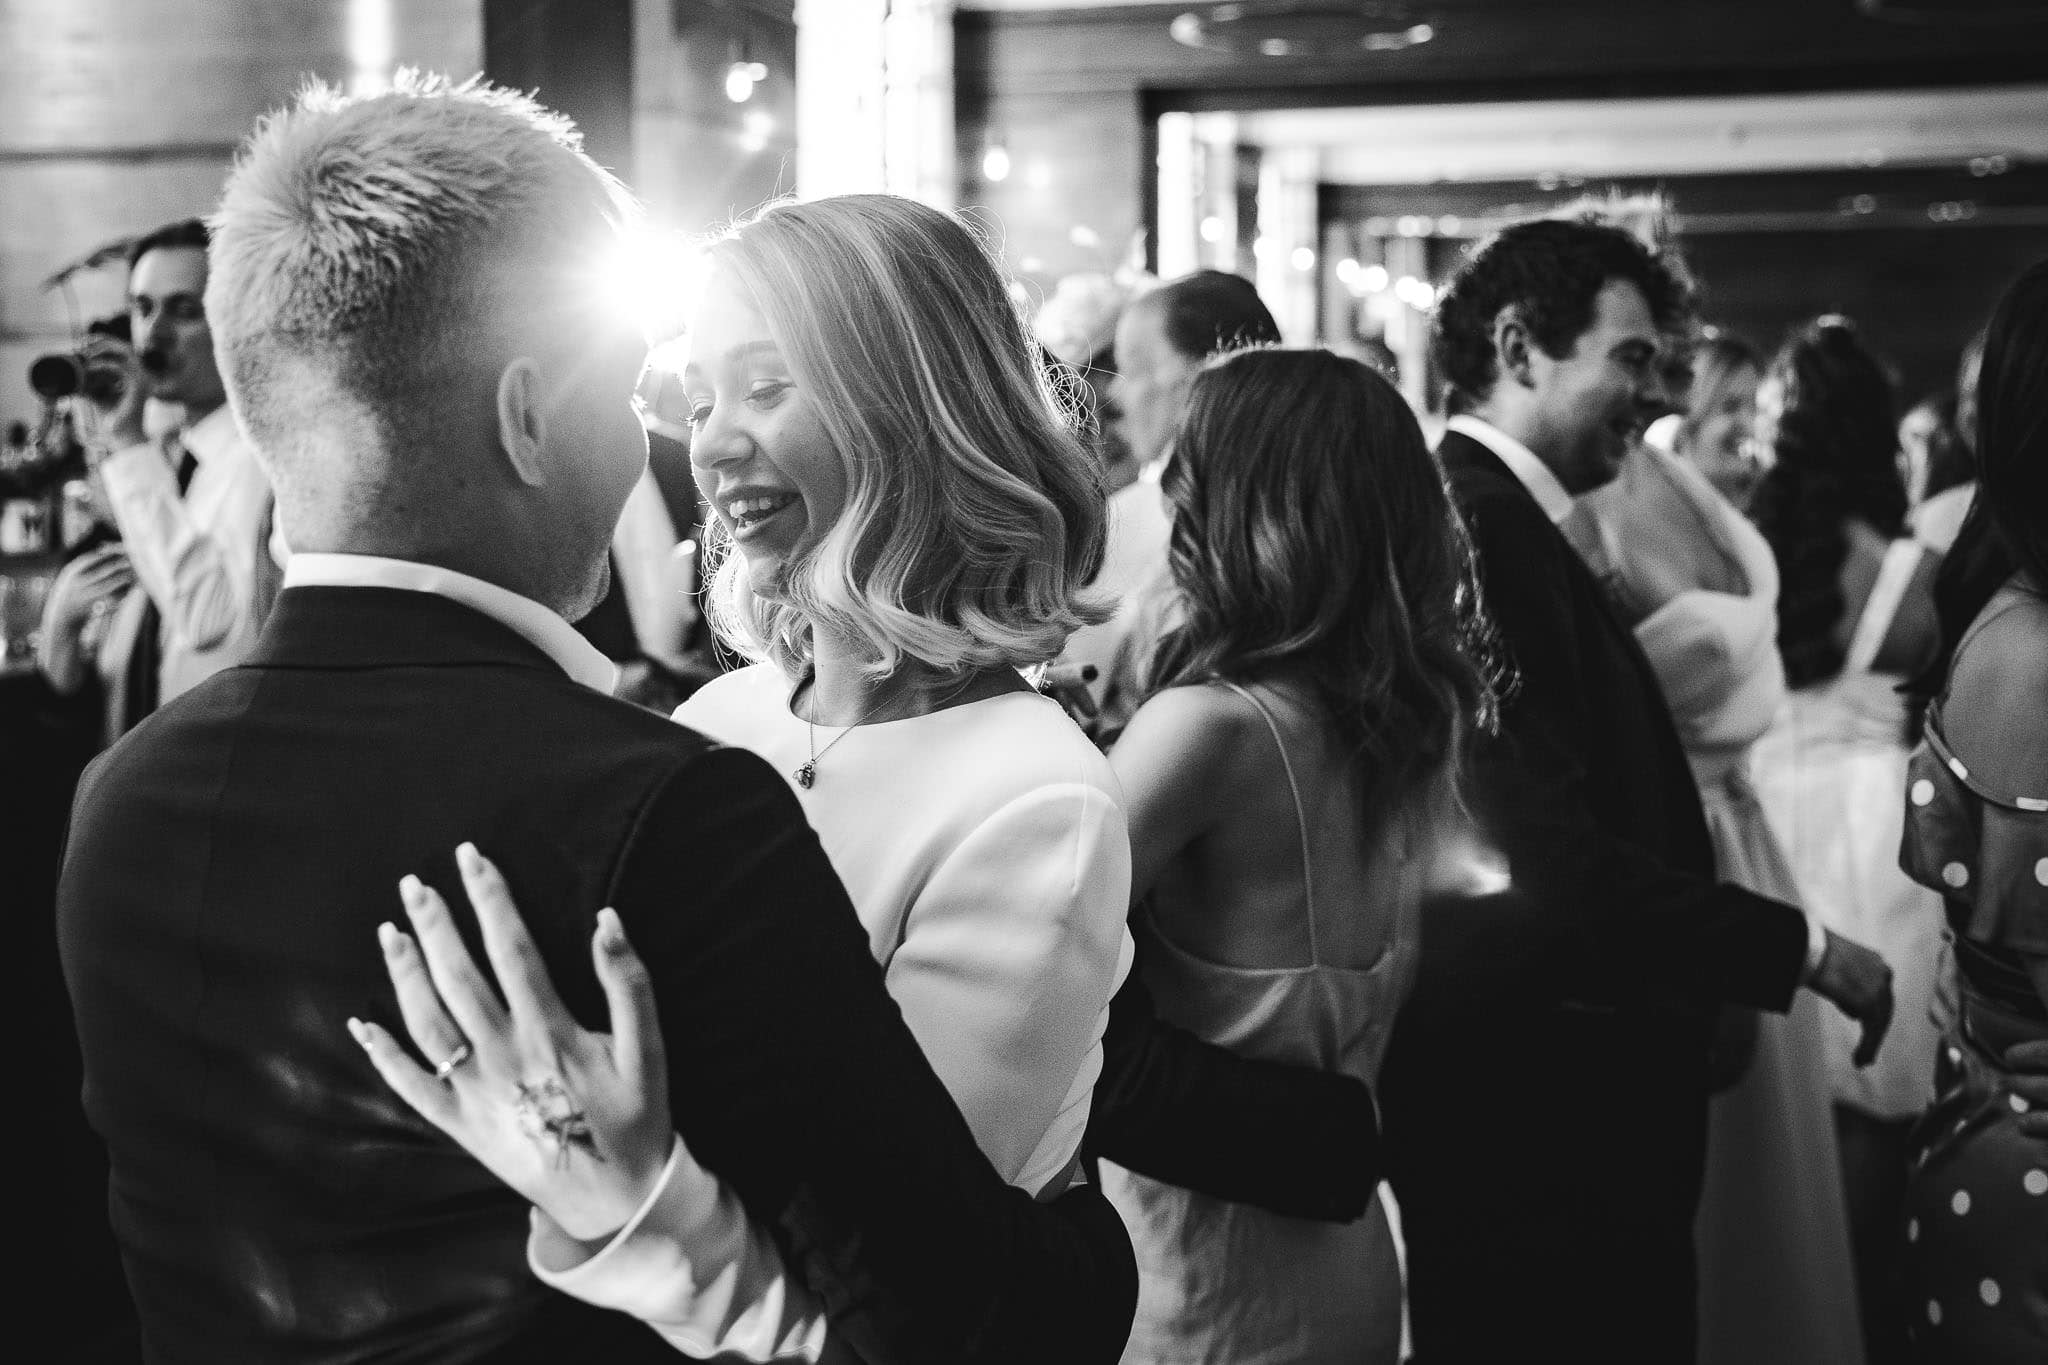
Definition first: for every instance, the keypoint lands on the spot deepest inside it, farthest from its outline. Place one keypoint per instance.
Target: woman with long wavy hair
(1290, 783)
(1855, 619)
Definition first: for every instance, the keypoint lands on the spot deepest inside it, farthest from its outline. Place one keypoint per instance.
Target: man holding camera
(193, 506)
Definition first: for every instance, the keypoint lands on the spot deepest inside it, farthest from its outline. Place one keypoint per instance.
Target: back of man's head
(1550, 271)
(377, 260)
(1211, 311)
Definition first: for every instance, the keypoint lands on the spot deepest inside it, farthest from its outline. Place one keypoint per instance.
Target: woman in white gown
(1290, 784)
(1855, 619)
(1700, 587)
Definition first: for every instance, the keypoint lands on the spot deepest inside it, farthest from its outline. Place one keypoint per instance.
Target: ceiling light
(1303, 28)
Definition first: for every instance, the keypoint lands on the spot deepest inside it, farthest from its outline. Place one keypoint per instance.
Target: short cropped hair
(1552, 270)
(361, 252)
(974, 516)
(1210, 311)
(192, 232)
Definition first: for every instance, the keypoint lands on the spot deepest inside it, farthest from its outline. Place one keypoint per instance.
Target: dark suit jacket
(1290, 1139)
(228, 864)
(1565, 1021)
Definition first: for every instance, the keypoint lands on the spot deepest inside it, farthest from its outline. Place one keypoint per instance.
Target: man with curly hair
(1570, 1227)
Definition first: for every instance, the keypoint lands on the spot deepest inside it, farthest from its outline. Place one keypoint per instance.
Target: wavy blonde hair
(973, 515)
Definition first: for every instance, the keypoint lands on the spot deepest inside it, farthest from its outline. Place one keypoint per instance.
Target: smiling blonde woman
(904, 521)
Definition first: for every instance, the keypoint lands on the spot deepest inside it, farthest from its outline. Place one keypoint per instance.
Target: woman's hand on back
(577, 1122)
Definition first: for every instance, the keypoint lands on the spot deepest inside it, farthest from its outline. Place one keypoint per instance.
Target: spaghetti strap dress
(1222, 1282)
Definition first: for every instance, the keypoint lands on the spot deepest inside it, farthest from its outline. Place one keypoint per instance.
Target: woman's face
(1725, 430)
(762, 459)
(1917, 430)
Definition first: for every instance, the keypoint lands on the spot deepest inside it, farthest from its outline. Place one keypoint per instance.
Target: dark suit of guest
(228, 864)
(1546, 1093)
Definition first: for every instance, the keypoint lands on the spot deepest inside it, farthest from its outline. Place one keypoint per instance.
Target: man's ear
(1512, 345)
(522, 428)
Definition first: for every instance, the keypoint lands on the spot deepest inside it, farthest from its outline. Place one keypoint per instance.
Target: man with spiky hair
(401, 294)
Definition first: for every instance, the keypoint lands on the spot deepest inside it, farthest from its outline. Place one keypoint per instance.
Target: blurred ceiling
(1528, 140)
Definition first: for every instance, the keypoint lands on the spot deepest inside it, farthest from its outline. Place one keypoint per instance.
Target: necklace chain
(807, 775)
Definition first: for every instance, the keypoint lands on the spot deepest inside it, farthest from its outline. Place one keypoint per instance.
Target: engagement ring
(462, 1053)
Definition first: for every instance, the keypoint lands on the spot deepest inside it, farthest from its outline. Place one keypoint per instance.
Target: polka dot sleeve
(1986, 850)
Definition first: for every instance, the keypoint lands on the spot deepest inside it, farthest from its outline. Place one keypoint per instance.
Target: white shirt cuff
(690, 1265)
(559, 1259)
(1816, 946)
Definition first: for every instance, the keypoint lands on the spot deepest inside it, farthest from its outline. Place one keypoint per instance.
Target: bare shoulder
(1197, 710)
(1201, 734)
(1996, 712)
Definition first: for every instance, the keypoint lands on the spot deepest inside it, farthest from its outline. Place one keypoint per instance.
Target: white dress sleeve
(690, 1265)
(1008, 957)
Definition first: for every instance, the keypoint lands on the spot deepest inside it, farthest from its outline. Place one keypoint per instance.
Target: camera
(73, 372)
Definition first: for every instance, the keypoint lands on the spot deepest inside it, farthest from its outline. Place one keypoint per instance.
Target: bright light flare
(1461, 865)
(655, 280)
(371, 46)
(1418, 294)
(995, 164)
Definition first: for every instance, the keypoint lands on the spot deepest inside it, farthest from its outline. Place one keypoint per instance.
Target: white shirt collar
(1521, 462)
(211, 434)
(527, 618)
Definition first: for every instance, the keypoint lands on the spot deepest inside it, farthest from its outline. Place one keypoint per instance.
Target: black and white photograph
(1027, 682)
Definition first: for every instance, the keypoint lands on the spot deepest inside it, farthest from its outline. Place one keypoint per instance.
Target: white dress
(1230, 1284)
(984, 848)
(1830, 773)
(1777, 1285)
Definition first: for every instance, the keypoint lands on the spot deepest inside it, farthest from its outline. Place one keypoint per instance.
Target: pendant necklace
(807, 775)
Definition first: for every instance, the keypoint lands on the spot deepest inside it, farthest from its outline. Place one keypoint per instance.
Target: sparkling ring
(462, 1053)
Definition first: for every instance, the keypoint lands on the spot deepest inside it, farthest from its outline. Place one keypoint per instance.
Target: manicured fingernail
(610, 932)
(393, 941)
(359, 1033)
